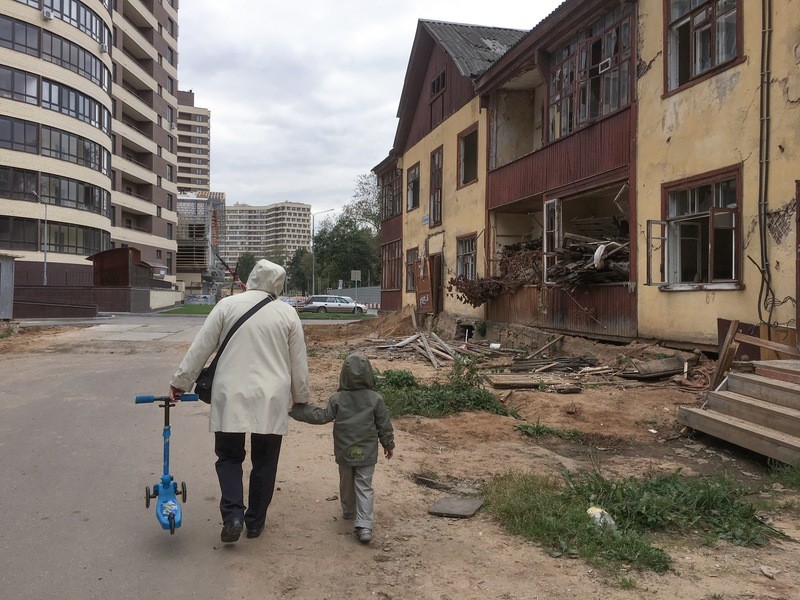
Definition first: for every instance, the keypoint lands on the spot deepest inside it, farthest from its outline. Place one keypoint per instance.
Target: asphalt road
(77, 455)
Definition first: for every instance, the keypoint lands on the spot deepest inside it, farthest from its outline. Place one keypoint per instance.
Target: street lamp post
(44, 263)
(313, 260)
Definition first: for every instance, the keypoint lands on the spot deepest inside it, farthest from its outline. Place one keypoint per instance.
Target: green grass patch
(553, 513)
(189, 309)
(786, 475)
(461, 392)
(309, 316)
(204, 309)
(541, 430)
(6, 332)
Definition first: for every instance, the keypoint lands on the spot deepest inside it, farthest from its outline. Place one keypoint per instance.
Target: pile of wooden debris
(434, 349)
(585, 260)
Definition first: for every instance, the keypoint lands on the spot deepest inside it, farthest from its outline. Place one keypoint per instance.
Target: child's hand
(388, 453)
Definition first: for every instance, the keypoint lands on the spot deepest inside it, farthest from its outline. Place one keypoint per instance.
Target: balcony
(133, 169)
(134, 136)
(589, 153)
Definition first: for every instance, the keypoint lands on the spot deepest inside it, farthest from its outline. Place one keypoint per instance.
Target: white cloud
(304, 95)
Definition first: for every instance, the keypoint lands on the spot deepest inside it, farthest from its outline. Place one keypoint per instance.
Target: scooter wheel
(172, 524)
(183, 491)
(147, 497)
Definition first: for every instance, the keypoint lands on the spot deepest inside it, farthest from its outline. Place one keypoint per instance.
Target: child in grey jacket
(360, 421)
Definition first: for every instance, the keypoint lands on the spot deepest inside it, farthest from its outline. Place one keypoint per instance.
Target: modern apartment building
(275, 231)
(88, 111)
(194, 145)
(201, 225)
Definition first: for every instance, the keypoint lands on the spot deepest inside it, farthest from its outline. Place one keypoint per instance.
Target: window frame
(661, 234)
(568, 76)
(462, 171)
(436, 187)
(715, 69)
(392, 265)
(412, 185)
(412, 256)
(466, 267)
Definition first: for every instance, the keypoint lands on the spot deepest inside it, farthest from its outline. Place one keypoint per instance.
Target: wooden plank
(777, 445)
(445, 346)
(775, 346)
(659, 366)
(763, 388)
(545, 347)
(427, 346)
(725, 356)
(760, 412)
(400, 344)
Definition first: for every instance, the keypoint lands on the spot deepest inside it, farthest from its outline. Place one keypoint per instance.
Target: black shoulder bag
(204, 381)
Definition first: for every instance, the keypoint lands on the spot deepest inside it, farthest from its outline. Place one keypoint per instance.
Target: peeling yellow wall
(711, 125)
(463, 210)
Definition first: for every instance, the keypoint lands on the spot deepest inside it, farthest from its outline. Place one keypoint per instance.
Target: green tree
(299, 271)
(365, 205)
(343, 245)
(244, 265)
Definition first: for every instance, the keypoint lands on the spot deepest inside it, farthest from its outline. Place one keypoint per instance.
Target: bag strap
(236, 326)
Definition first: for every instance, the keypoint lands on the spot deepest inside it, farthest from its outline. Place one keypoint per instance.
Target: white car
(332, 304)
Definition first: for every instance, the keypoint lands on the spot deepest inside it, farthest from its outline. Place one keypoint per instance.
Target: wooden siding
(602, 311)
(459, 90)
(391, 300)
(588, 153)
(392, 229)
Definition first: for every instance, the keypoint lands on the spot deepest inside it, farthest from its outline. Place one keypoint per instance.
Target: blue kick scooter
(168, 511)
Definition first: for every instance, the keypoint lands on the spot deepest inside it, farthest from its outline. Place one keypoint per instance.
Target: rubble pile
(584, 260)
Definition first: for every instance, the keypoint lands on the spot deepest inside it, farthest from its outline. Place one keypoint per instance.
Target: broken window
(468, 156)
(590, 76)
(437, 158)
(412, 190)
(466, 257)
(702, 35)
(587, 238)
(412, 256)
(698, 242)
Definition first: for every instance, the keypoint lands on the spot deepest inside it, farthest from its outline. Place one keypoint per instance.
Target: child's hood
(356, 373)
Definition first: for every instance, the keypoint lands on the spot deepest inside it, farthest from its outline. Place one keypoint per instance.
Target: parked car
(332, 304)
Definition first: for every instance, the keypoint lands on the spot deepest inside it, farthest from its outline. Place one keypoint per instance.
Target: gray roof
(474, 48)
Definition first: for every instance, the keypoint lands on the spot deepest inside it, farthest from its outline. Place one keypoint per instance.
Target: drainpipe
(763, 158)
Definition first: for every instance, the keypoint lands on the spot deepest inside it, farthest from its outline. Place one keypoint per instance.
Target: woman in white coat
(263, 370)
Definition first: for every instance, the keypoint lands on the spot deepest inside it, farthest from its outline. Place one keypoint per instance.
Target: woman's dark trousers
(265, 449)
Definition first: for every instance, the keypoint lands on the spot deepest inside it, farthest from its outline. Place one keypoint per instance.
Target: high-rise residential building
(88, 112)
(275, 231)
(194, 145)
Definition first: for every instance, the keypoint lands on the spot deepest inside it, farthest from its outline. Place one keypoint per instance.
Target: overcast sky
(304, 94)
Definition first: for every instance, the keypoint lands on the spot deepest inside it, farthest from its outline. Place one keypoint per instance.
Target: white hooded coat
(264, 366)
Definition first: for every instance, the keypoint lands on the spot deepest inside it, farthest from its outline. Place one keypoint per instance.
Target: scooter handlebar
(149, 398)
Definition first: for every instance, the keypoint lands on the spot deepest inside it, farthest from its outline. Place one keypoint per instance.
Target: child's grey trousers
(356, 494)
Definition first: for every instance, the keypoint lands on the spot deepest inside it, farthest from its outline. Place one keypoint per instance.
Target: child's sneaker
(363, 534)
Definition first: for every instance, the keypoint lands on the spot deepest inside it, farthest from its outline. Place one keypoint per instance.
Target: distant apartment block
(87, 134)
(194, 145)
(274, 232)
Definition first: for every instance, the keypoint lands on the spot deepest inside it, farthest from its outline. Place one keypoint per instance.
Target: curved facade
(87, 160)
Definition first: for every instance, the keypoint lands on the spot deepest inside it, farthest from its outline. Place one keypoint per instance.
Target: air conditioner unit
(47, 14)
(103, 48)
(172, 125)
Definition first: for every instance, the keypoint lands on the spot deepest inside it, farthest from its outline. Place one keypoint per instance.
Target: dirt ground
(630, 430)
